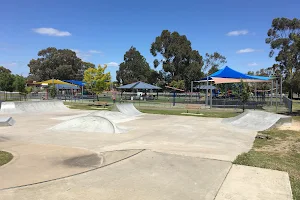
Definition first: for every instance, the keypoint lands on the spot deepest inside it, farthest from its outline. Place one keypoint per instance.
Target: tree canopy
(134, 68)
(283, 37)
(96, 79)
(55, 63)
(213, 62)
(6, 79)
(19, 83)
(179, 59)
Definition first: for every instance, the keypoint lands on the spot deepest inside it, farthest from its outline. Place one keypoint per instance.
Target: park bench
(192, 107)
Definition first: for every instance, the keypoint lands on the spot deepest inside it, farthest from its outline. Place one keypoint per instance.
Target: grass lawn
(85, 106)
(217, 113)
(281, 152)
(5, 157)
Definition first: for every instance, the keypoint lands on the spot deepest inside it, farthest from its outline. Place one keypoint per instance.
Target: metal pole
(206, 97)
(255, 92)
(192, 90)
(211, 95)
(82, 93)
(271, 99)
(280, 89)
(276, 94)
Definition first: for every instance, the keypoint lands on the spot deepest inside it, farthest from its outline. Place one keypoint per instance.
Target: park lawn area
(85, 106)
(215, 113)
(281, 152)
(5, 157)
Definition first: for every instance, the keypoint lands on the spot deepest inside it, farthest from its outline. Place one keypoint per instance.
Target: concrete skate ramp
(7, 121)
(116, 117)
(89, 124)
(32, 106)
(258, 120)
(127, 109)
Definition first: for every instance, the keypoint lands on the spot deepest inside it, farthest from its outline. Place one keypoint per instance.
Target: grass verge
(5, 157)
(281, 152)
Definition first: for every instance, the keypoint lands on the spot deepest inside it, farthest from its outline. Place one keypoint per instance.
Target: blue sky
(102, 31)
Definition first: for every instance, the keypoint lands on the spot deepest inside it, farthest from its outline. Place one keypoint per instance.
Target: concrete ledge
(7, 121)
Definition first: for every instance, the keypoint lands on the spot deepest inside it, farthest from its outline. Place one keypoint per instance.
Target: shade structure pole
(211, 95)
(255, 92)
(82, 93)
(280, 89)
(206, 97)
(276, 94)
(272, 92)
(192, 90)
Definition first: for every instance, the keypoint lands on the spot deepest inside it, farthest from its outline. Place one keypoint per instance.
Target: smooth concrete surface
(127, 109)
(7, 121)
(251, 183)
(182, 135)
(33, 163)
(185, 158)
(148, 175)
(89, 123)
(258, 120)
(32, 106)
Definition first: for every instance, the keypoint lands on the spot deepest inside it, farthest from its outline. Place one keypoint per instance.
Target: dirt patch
(294, 126)
(91, 160)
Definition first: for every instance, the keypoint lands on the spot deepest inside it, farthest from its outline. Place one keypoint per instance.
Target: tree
(96, 79)
(55, 63)
(52, 91)
(134, 68)
(4, 70)
(178, 84)
(6, 80)
(244, 93)
(283, 38)
(19, 84)
(153, 77)
(213, 62)
(179, 59)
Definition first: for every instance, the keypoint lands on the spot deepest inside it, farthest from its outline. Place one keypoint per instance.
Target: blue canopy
(227, 72)
(75, 82)
(139, 85)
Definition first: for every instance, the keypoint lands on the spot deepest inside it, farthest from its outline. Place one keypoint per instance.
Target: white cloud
(237, 33)
(112, 64)
(252, 64)
(80, 54)
(9, 64)
(51, 32)
(95, 51)
(247, 50)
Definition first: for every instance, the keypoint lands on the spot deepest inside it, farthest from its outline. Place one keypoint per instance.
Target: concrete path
(185, 158)
(251, 183)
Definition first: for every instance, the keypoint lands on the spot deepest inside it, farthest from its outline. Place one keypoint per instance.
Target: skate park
(146, 100)
(131, 155)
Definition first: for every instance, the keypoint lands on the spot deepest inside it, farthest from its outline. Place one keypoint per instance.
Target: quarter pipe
(258, 120)
(127, 109)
